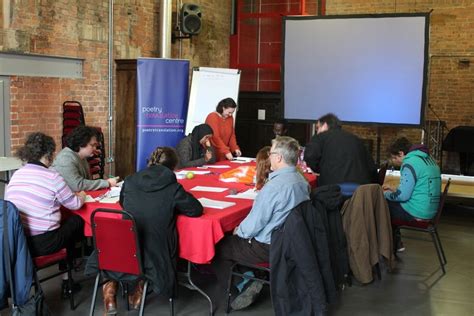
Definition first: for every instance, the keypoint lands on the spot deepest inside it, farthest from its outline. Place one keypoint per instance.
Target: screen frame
(424, 89)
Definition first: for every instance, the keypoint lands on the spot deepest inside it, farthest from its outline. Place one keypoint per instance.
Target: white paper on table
(114, 199)
(250, 194)
(242, 159)
(89, 199)
(208, 189)
(214, 203)
(184, 172)
(216, 166)
(114, 191)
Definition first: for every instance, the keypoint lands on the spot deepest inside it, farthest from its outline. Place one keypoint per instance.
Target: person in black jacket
(338, 156)
(195, 149)
(154, 198)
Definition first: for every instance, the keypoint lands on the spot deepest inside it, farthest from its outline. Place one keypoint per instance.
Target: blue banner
(162, 104)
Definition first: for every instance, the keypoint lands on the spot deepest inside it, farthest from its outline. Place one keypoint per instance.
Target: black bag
(35, 306)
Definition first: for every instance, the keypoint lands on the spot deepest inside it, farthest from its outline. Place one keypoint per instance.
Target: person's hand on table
(81, 195)
(238, 153)
(208, 155)
(229, 156)
(113, 181)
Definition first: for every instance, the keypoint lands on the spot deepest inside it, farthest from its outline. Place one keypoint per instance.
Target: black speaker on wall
(191, 23)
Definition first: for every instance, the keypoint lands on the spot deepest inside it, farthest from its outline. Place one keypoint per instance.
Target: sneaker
(400, 246)
(247, 296)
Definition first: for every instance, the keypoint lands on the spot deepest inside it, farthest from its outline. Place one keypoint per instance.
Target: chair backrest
(116, 241)
(382, 172)
(441, 203)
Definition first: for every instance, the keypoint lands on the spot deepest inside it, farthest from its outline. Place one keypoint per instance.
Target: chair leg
(171, 306)
(438, 251)
(94, 294)
(125, 293)
(441, 247)
(70, 267)
(142, 305)
(378, 272)
(229, 287)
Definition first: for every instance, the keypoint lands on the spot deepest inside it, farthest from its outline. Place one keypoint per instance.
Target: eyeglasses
(273, 153)
(94, 144)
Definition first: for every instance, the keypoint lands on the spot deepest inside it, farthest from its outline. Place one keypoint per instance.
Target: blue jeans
(397, 212)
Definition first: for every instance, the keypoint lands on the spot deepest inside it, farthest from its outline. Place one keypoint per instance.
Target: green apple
(190, 175)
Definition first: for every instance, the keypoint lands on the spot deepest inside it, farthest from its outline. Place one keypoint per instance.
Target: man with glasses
(285, 189)
(71, 162)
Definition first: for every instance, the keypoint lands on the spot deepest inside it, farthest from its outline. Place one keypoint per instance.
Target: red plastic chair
(234, 271)
(46, 261)
(118, 249)
(429, 226)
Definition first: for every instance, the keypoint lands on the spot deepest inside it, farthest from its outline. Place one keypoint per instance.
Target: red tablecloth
(197, 235)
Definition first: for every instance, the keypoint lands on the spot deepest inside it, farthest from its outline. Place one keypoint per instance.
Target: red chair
(73, 116)
(234, 271)
(118, 249)
(429, 226)
(46, 261)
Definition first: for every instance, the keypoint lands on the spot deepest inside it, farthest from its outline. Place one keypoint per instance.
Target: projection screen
(363, 68)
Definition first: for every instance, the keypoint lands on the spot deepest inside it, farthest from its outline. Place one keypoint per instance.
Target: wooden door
(125, 117)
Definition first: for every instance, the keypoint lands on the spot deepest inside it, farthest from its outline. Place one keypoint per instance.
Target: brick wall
(451, 83)
(80, 29)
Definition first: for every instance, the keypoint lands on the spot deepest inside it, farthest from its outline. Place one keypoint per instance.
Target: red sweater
(223, 139)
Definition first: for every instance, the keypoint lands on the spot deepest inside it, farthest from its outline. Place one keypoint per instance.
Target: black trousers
(233, 248)
(70, 231)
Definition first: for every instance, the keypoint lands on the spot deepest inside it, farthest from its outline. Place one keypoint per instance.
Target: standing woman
(222, 124)
(195, 149)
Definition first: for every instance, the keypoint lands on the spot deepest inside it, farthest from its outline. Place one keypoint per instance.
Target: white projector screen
(363, 68)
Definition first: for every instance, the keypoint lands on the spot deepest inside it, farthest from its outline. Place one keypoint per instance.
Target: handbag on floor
(35, 306)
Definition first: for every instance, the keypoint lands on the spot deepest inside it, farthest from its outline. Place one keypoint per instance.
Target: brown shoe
(135, 299)
(110, 302)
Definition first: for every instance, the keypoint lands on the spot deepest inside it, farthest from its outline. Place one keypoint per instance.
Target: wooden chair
(429, 226)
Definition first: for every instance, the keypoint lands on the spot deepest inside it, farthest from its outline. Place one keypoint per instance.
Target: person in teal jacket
(419, 191)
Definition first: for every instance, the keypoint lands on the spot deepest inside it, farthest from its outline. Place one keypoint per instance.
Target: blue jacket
(21, 263)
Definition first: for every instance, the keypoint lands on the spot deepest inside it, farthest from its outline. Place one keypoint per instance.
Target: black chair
(430, 227)
(43, 262)
(382, 173)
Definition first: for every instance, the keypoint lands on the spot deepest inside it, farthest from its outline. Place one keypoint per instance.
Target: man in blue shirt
(250, 243)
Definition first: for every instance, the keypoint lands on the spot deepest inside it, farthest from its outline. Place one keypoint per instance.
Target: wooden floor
(416, 287)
